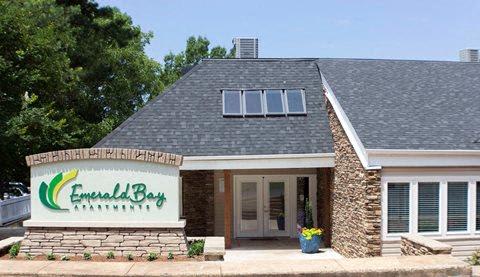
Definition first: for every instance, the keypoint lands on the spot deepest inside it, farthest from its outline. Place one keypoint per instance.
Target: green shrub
(29, 256)
(50, 256)
(110, 255)
(170, 256)
(196, 248)
(65, 258)
(14, 249)
(87, 256)
(152, 256)
(475, 258)
(130, 257)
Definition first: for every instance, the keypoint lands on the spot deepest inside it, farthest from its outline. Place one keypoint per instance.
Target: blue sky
(404, 29)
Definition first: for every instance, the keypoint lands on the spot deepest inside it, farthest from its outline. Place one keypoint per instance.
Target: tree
(83, 69)
(197, 48)
(71, 72)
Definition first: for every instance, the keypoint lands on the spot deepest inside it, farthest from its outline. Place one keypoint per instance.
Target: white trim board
(423, 158)
(319, 160)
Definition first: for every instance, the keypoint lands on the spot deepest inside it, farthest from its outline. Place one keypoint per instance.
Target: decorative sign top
(105, 154)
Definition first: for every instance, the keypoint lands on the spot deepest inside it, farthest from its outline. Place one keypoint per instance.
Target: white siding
(461, 247)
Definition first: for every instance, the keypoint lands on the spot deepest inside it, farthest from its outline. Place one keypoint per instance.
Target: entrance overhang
(316, 160)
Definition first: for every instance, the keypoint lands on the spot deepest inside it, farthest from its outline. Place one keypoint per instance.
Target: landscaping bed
(98, 258)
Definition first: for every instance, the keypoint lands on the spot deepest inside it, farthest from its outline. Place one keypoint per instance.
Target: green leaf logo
(49, 193)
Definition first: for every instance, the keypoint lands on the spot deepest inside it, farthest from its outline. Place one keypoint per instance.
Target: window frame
(443, 202)
(244, 102)
(304, 102)
(282, 97)
(416, 198)
(410, 193)
(469, 196)
(240, 102)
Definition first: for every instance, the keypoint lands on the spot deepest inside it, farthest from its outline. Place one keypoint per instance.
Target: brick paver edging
(104, 154)
(438, 265)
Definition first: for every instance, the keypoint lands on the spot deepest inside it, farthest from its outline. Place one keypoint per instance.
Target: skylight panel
(232, 102)
(253, 102)
(295, 101)
(274, 101)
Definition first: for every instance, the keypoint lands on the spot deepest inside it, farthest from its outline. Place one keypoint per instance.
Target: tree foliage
(71, 71)
(197, 48)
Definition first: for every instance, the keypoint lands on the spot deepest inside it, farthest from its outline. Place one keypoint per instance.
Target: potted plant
(310, 237)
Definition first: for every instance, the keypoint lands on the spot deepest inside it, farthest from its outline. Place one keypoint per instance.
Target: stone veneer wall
(415, 245)
(356, 199)
(104, 154)
(324, 205)
(198, 202)
(100, 241)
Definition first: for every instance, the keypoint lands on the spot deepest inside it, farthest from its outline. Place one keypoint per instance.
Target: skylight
(253, 102)
(232, 102)
(264, 102)
(274, 101)
(295, 101)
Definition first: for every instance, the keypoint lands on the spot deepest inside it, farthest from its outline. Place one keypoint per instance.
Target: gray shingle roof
(395, 104)
(188, 120)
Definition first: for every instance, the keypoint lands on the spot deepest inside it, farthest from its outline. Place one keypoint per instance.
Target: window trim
(287, 110)
(443, 201)
(410, 202)
(469, 202)
(282, 97)
(244, 104)
(439, 208)
(223, 102)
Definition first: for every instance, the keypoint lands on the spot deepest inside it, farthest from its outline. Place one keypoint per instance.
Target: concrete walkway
(271, 250)
(440, 265)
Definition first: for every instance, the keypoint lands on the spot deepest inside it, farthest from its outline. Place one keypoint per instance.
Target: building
(379, 147)
(469, 55)
(245, 48)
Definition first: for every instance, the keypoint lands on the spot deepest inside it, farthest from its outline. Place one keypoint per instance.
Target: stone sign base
(99, 241)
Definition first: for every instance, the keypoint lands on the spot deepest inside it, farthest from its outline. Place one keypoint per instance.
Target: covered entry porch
(260, 198)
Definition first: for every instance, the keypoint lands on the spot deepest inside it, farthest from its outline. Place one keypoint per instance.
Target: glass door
(248, 191)
(276, 215)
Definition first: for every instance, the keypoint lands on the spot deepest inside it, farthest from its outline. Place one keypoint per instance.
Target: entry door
(275, 204)
(262, 206)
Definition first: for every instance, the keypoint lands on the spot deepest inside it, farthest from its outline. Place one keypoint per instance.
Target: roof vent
(246, 48)
(469, 55)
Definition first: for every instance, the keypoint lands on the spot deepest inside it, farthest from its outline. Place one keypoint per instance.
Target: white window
(438, 206)
(232, 102)
(253, 103)
(398, 208)
(457, 207)
(428, 207)
(295, 99)
(274, 101)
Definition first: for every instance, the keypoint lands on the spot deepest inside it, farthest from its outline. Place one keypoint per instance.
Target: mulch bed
(97, 258)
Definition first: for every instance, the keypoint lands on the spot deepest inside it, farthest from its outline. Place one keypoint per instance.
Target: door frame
(291, 222)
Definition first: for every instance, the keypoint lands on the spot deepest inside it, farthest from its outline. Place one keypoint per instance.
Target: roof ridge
(261, 59)
(397, 60)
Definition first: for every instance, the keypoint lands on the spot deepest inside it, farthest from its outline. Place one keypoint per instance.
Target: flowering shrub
(308, 233)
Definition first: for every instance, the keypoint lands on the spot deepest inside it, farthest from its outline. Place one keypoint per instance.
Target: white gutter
(424, 158)
(317, 160)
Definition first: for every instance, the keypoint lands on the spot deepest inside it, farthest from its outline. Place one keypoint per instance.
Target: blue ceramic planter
(310, 246)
